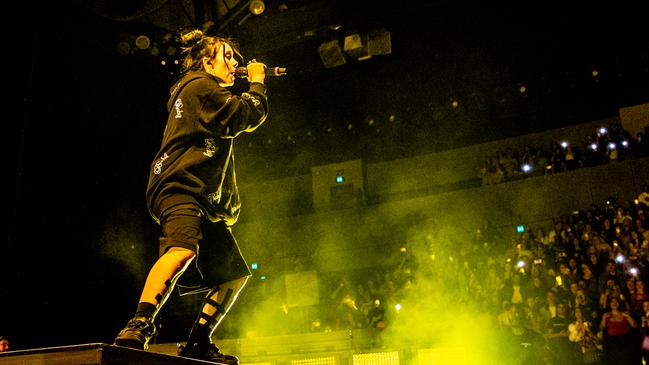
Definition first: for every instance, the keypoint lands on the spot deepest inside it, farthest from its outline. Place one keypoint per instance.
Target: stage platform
(93, 354)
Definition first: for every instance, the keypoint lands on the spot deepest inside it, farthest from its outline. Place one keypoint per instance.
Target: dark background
(93, 118)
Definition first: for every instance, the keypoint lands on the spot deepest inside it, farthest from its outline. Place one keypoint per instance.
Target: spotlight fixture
(142, 42)
(257, 7)
(123, 48)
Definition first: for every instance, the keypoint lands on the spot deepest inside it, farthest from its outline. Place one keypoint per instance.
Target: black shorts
(219, 258)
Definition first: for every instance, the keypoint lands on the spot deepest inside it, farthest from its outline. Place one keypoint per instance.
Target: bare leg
(159, 284)
(163, 275)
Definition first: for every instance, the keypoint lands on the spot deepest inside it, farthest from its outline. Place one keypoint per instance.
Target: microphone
(270, 71)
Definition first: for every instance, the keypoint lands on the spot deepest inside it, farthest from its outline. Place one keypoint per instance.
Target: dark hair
(195, 45)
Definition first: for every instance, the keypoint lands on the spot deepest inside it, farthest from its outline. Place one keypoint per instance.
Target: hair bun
(192, 38)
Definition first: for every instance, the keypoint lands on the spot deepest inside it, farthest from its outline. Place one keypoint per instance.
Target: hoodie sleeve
(237, 114)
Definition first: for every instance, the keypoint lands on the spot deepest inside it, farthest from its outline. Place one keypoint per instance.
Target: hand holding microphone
(257, 72)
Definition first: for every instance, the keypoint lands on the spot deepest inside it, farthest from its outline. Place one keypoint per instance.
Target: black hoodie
(195, 163)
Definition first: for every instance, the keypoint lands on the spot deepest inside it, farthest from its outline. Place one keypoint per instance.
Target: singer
(192, 194)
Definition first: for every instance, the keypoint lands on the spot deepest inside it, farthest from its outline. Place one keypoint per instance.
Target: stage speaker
(331, 54)
(379, 42)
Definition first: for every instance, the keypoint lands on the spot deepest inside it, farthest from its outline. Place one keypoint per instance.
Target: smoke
(443, 310)
(440, 304)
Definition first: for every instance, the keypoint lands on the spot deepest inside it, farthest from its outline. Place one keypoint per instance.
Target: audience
(4, 343)
(603, 146)
(580, 288)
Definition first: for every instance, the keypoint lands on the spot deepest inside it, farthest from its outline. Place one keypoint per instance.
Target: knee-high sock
(213, 310)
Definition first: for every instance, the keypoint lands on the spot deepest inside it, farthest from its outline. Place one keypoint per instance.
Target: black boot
(137, 333)
(207, 352)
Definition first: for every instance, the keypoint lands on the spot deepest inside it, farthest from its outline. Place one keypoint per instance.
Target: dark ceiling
(477, 54)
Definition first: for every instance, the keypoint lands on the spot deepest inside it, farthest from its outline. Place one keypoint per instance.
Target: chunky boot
(137, 333)
(208, 353)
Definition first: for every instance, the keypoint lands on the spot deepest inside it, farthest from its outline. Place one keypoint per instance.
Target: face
(4, 345)
(610, 267)
(530, 302)
(630, 284)
(550, 297)
(222, 65)
(573, 288)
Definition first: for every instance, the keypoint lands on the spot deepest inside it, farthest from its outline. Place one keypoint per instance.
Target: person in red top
(192, 193)
(639, 296)
(621, 342)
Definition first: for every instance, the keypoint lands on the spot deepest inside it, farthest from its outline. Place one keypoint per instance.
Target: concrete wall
(398, 178)
(283, 229)
(635, 119)
(371, 235)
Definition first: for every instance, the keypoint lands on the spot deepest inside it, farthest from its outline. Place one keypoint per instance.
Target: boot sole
(130, 343)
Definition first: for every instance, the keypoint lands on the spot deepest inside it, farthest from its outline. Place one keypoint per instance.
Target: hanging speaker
(379, 42)
(356, 46)
(331, 54)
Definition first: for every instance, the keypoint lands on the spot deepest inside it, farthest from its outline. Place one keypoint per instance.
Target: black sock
(145, 309)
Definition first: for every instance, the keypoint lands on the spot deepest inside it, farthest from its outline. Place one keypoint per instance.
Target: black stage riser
(92, 354)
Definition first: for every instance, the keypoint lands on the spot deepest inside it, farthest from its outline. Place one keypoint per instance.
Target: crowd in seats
(583, 285)
(578, 290)
(361, 299)
(605, 145)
